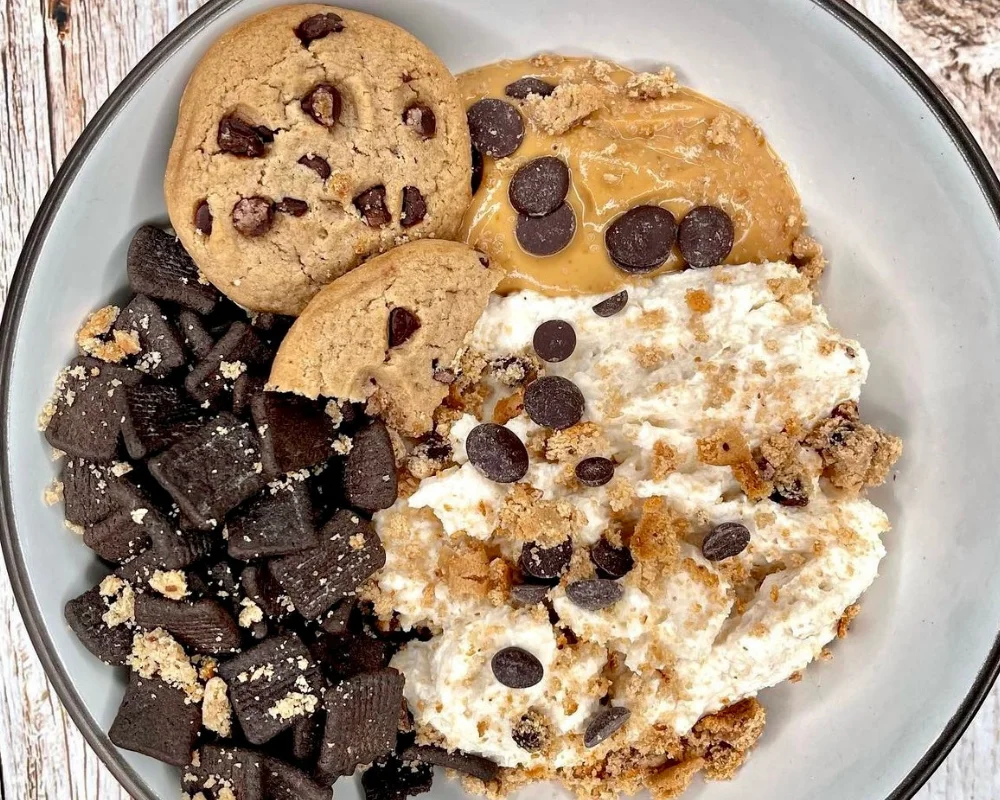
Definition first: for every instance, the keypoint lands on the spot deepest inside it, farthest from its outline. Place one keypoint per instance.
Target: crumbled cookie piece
(216, 711)
(844, 623)
(808, 258)
(91, 338)
(664, 460)
(725, 739)
(656, 540)
(526, 517)
(514, 371)
(781, 464)
(53, 493)
(723, 130)
(621, 495)
(565, 108)
(469, 572)
(648, 356)
(579, 441)
(507, 408)
(651, 85)
(172, 584)
(121, 610)
(855, 455)
(671, 782)
(156, 652)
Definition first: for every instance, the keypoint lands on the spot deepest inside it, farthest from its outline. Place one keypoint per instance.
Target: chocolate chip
(477, 170)
(157, 416)
(392, 778)
(403, 323)
(594, 595)
(242, 139)
(546, 236)
(84, 614)
(516, 668)
(539, 187)
(476, 766)
(604, 723)
(253, 216)
(641, 239)
(159, 267)
(522, 87)
(318, 26)
(370, 481)
(414, 207)
(371, 205)
(161, 348)
(554, 340)
(595, 471)
(528, 594)
(725, 541)
(611, 562)
(554, 402)
(496, 127)
(323, 104)
(612, 305)
(420, 117)
(497, 453)
(273, 524)
(295, 432)
(706, 236)
(317, 164)
(157, 720)
(445, 376)
(545, 563)
(204, 626)
(203, 218)
(530, 732)
(791, 492)
(293, 207)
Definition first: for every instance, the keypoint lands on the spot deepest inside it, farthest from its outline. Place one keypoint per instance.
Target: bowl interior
(914, 249)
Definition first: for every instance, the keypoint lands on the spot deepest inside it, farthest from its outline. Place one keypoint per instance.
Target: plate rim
(97, 738)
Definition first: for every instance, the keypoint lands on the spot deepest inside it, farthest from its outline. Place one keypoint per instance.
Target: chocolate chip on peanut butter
(319, 26)
(496, 127)
(203, 218)
(414, 207)
(292, 206)
(403, 323)
(317, 164)
(240, 138)
(546, 236)
(539, 187)
(372, 207)
(420, 117)
(253, 216)
(705, 236)
(613, 305)
(640, 240)
(522, 87)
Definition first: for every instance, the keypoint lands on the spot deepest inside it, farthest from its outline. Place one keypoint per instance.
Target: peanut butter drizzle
(676, 151)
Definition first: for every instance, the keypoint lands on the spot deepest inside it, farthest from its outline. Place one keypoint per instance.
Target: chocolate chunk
(158, 267)
(594, 595)
(554, 340)
(611, 562)
(157, 720)
(362, 715)
(604, 723)
(86, 495)
(283, 781)
(204, 626)
(539, 187)
(253, 216)
(391, 778)
(235, 352)
(595, 471)
(496, 127)
(554, 402)
(477, 170)
(370, 481)
(420, 117)
(349, 553)
(372, 207)
(323, 104)
(497, 453)
(317, 164)
(242, 139)
(725, 541)
(276, 522)
(245, 388)
(319, 26)
(516, 668)
(521, 88)
(476, 766)
(292, 207)
(528, 594)
(271, 685)
(546, 236)
(196, 338)
(545, 563)
(640, 240)
(611, 306)
(156, 416)
(212, 470)
(295, 432)
(117, 538)
(84, 614)
(403, 323)
(706, 236)
(414, 207)
(203, 218)
(161, 346)
(88, 409)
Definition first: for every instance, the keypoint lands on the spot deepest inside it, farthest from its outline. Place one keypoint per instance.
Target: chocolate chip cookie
(309, 138)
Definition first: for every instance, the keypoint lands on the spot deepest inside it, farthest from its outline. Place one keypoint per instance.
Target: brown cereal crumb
(844, 623)
(795, 677)
(781, 464)
(855, 455)
(807, 256)
(576, 442)
(565, 108)
(759, 368)
(698, 300)
(509, 407)
(91, 338)
(216, 712)
(827, 347)
(724, 447)
(649, 356)
(719, 380)
(826, 654)
(651, 86)
(465, 568)
(538, 442)
(250, 613)
(526, 517)
(613, 403)
(785, 289)
(651, 320)
(664, 460)
(723, 130)
(753, 483)
(775, 594)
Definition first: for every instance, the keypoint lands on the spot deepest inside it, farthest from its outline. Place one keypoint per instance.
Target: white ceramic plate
(896, 189)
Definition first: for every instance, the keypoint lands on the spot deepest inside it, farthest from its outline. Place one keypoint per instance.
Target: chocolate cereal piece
(323, 103)
(421, 119)
(156, 416)
(319, 26)
(604, 723)
(371, 205)
(640, 240)
(370, 481)
(239, 138)
(497, 453)
(705, 236)
(86, 491)
(295, 432)
(539, 187)
(522, 87)
(554, 340)
(516, 668)
(594, 595)
(306, 735)
(282, 781)
(197, 339)
(496, 127)
(554, 402)
(414, 207)
(232, 355)
(611, 562)
(355, 654)
(725, 541)
(362, 716)
(391, 778)
(546, 236)
(85, 617)
(545, 563)
(204, 626)
(161, 347)
(348, 554)
(253, 216)
(335, 620)
(159, 267)
(276, 522)
(595, 471)
(476, 766)
(403, 323)
(117, 538)
(245, 388)
(238, 769)
(157, 720)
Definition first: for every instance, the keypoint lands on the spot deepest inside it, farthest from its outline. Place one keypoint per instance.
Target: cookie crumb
(250, 613)
(216, 711)
(565, 108)
(156, 652)
(53, 493)
(294, 704)
(172, 584)
(579, 441)
(855, 455)
(723, 130)
(651, 86)
(844, 623)
(664, 460)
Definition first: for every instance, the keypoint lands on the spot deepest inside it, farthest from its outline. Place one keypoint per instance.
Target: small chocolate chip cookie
(309, 138)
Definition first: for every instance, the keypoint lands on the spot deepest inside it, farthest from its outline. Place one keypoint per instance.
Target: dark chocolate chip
(240, 138)
(203, 218)
(85, 616)
(604, 723)
(323, 104)
(278, 521)
(522, 87)
(157, 720)
(372, 207)
(554, 340)
(640, 240)
(414, 207)
(295, 432)
(205, 626)
(445, 376)
(496, 127)
(253, 216)
(420, 117)
(612, 305)
(528, 594)
(157, 416)
(554, 402)
(594, 595)
(161, 348)
(282, 781)
(497, 453)
(393, 779)
(791, 492)
(370, 481)
(158, 267)
(196, 337)
(725, 541)
(530, 732)
(539, 187)
(477, 170)
(319, 26)
(611, 562)
(476, 766)
(706, 236)
(292, 207)
(516, 668)
(546, 236)
(317, 164)
(403, 323)
(239, 346)
(545, 563)
(86, 495)
(595, 471)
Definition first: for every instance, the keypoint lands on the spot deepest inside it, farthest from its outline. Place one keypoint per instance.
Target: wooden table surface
(61, 59)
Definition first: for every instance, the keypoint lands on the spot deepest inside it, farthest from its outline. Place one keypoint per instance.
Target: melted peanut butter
(677, 151)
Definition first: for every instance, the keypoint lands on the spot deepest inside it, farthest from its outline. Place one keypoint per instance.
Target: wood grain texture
(61, 58)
